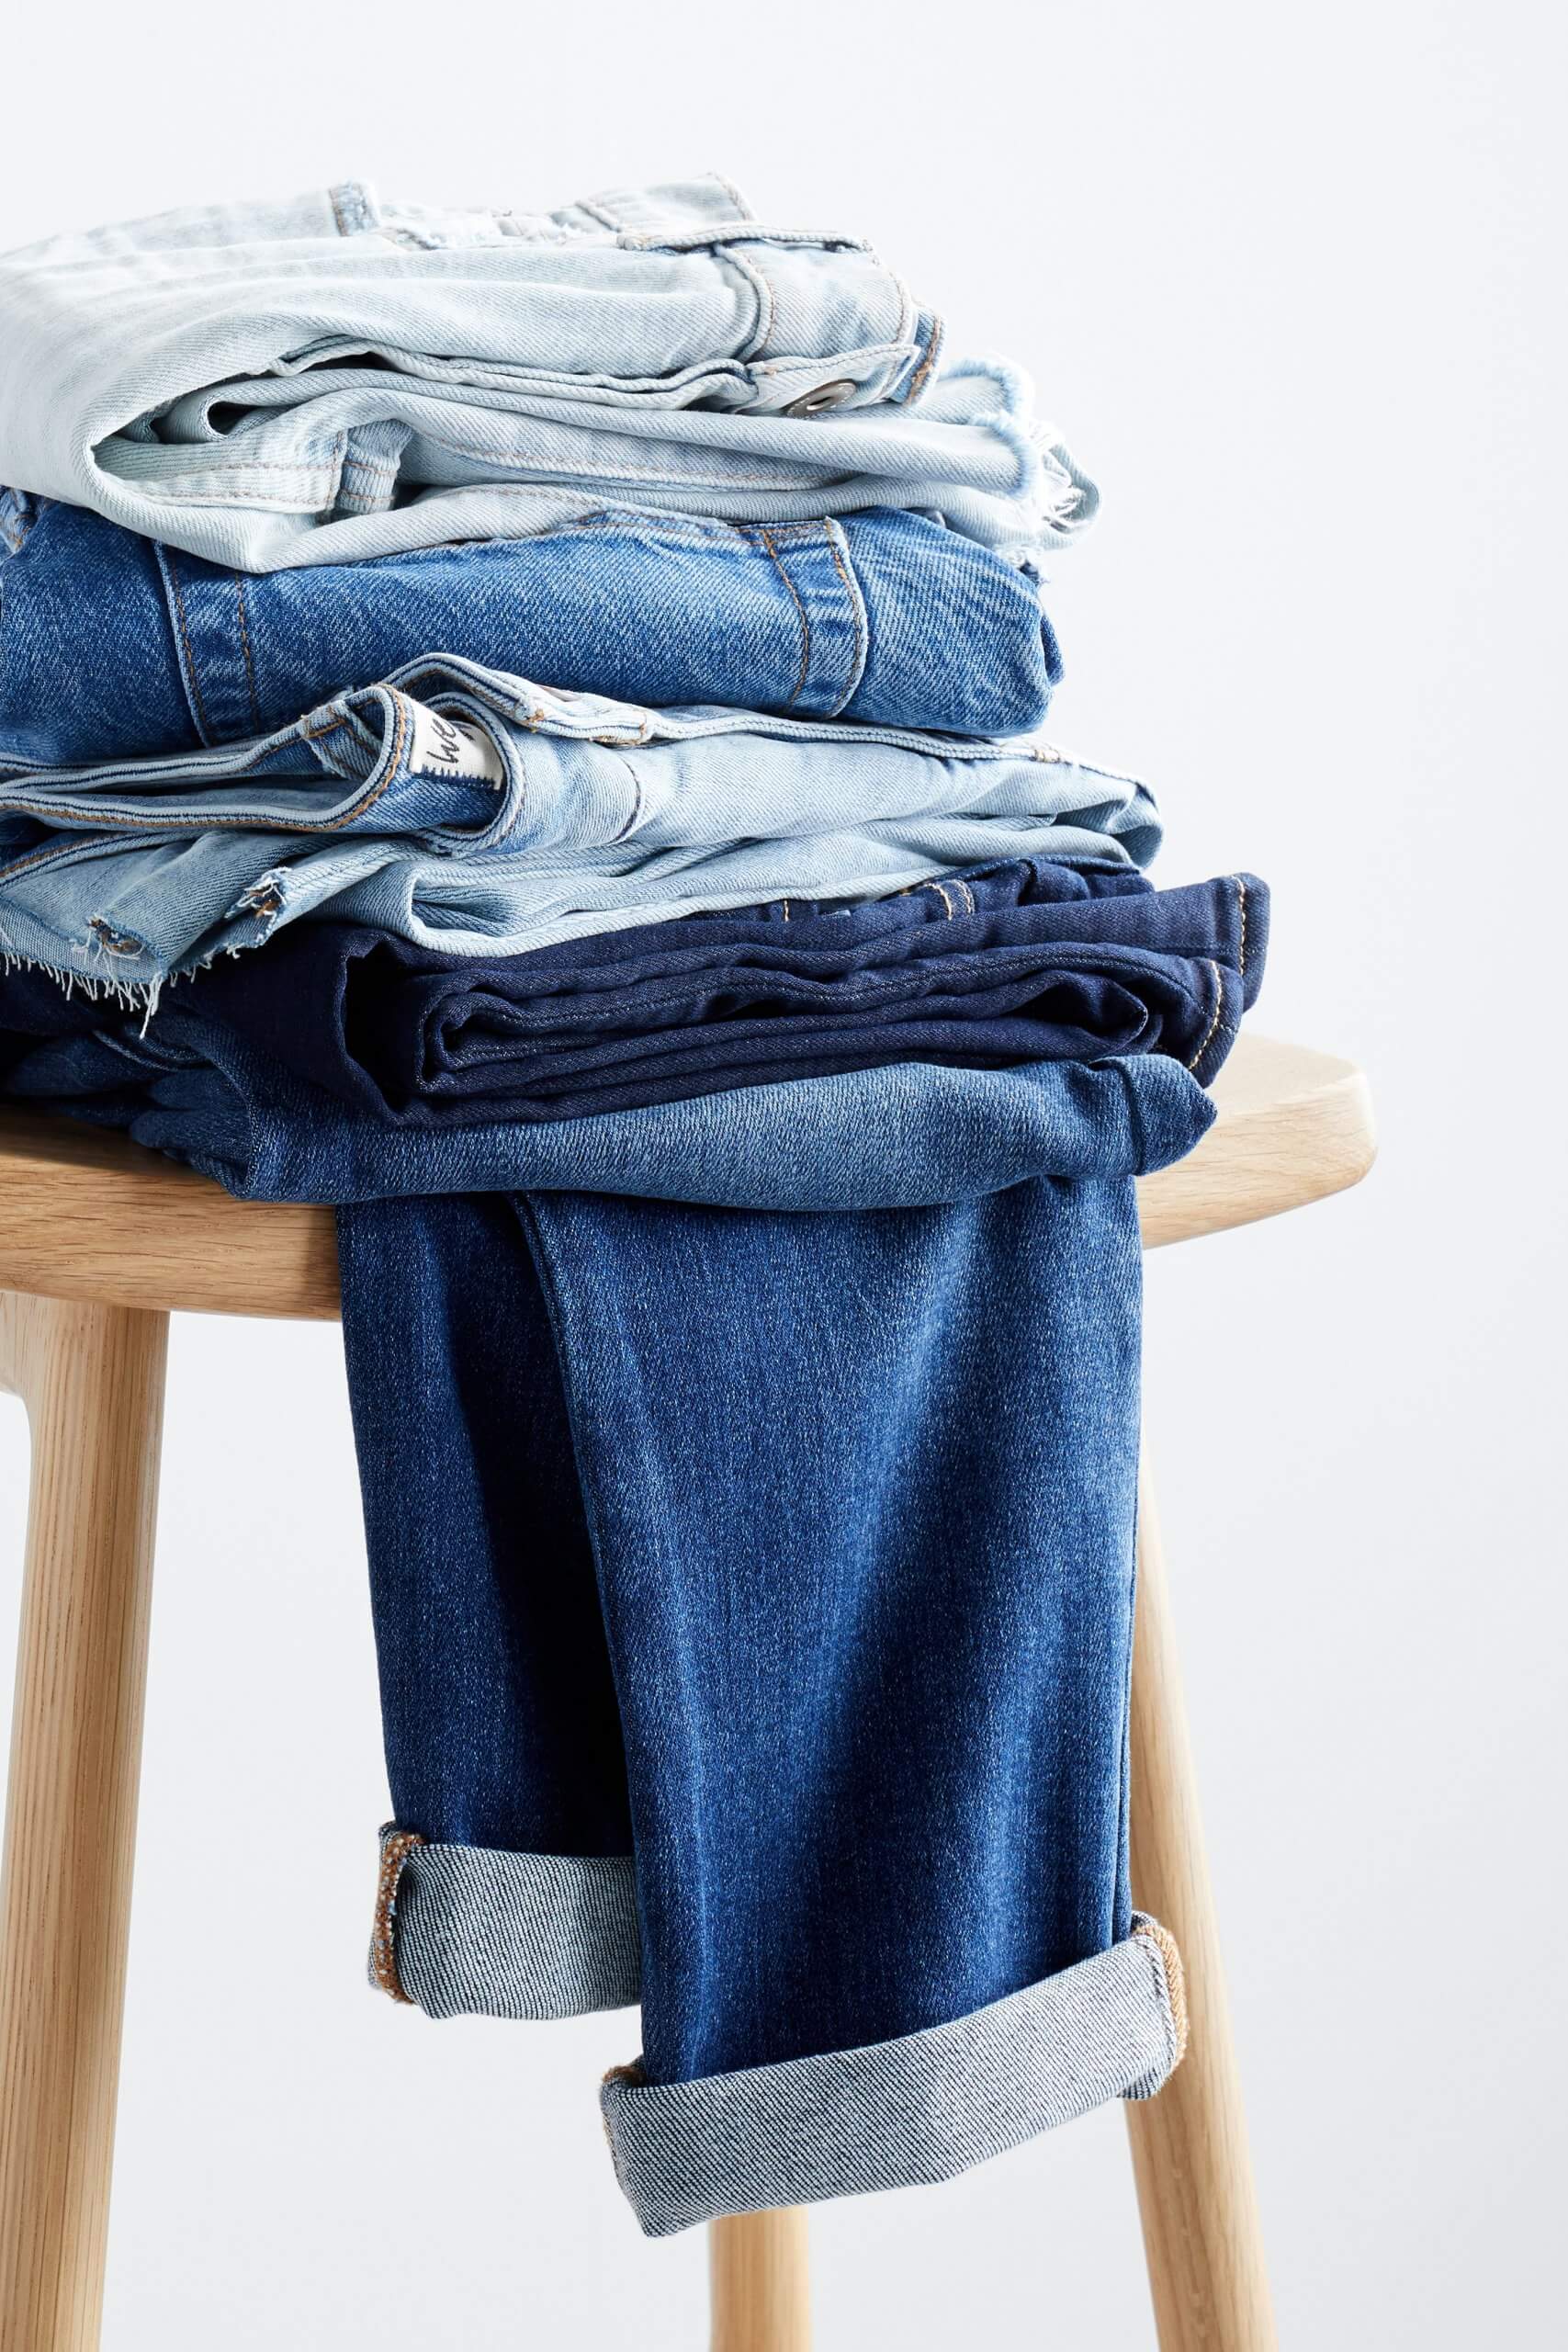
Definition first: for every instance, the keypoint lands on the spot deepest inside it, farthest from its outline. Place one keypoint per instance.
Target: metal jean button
(826, 396)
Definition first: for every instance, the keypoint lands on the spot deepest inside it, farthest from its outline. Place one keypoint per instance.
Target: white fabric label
(443, 746)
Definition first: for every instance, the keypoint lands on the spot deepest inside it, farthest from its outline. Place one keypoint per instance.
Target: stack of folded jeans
(523, 728)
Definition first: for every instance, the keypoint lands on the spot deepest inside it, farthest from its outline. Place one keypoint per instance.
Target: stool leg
(1198, 2208)
(92, 1378)
(761, 2293)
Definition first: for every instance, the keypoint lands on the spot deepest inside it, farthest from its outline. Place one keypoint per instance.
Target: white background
(1285, 279)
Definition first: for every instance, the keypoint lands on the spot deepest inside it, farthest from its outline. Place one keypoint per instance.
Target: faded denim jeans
(477, 813)
(331, 377)
(113, 647)
(753, 1603)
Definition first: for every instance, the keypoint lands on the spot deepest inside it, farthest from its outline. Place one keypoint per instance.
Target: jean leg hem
(476, 1931)
(893, 2114)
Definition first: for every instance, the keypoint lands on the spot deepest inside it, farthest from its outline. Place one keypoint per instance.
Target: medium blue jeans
(115, 647)
(753, 1601)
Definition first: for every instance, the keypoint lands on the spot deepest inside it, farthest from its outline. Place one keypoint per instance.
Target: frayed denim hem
(921, 2108)
(473, 1931)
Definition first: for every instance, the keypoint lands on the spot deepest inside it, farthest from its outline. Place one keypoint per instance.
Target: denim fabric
(329, 377)
(865, 1585)
(508, 1935)
(475, 813)
(868, 1139)
(1026, 963)
(918, 2109)
(112, 647)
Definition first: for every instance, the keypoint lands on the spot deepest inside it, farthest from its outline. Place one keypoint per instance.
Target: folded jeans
(900, 1136)
(274, 385)
(477, 812)
(1027, 962)
(114, 646)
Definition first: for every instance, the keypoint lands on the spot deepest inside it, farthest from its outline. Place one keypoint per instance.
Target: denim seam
(858, 621)
(1165, 1961)
(767, 302)
(917, 383)
(1135, 1118)
(800, 609)
(1241, 910)
(200, 710)
(395, 1852)
(1219, 1007)
(630, 826)
(742, 210)
(375, 789)
(245, 649)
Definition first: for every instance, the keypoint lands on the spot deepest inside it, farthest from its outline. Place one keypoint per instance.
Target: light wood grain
(92, 1216)
(1196, 2198)
(761, 2293)
(85, 1215)
(93, 1381)
(1294, 1127)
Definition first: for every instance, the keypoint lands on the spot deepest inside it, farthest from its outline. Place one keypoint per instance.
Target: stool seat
(89, 1214)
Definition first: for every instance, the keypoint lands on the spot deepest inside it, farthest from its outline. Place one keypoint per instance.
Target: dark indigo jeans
(113, 646)
(1028, 962)
(1032, 961)
(753, 1600)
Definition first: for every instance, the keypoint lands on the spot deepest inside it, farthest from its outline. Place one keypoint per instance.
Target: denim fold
(115, 646)
(904, 2113)
(470, 1931)
(899, 1136)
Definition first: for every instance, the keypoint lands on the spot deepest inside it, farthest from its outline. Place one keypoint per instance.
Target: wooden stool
(98, 1243)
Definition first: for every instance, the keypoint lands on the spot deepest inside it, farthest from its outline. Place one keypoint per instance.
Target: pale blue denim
(328, 378)
(463, 808)
(754, 1605)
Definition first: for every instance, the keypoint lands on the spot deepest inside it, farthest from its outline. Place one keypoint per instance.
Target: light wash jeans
(328, 378)
(470, 810)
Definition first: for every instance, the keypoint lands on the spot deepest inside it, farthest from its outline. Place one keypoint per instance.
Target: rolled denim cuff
(921, 2108)
(473, 1931)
